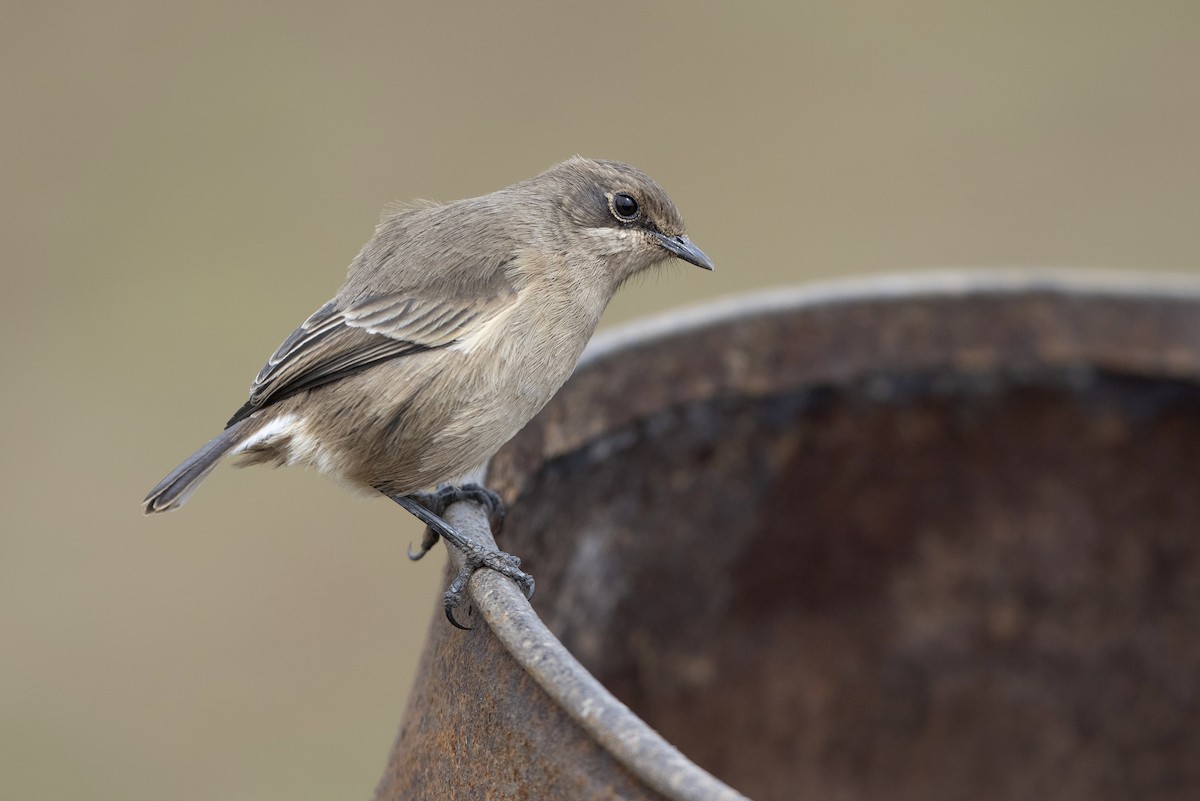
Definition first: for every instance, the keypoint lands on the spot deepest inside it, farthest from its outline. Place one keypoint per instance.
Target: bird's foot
(475, 557)
(437, 502)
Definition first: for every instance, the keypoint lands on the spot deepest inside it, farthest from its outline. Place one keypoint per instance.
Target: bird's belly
(452, 424)
(417, 422)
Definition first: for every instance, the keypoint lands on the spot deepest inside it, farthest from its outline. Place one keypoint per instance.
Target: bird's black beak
(682, 247)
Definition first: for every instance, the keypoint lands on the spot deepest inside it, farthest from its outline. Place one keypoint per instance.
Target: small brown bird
(456, 324)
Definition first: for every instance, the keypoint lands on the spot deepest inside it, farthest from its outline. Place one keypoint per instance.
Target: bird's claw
(429, 506)
(474, 558)
(427, 542)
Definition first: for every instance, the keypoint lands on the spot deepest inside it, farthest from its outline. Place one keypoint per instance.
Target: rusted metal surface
(549, 730)
(921, 538)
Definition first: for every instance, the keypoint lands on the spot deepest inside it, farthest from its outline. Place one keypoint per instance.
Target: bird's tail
(181, 482)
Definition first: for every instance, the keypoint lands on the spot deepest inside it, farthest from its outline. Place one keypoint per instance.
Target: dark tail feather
(178, 486)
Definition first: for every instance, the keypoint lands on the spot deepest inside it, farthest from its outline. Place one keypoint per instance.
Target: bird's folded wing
(335, 342)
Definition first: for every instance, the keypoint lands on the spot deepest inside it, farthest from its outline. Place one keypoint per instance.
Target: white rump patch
(288, 424)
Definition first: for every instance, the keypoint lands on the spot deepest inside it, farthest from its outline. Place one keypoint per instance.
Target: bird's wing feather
(335, 342)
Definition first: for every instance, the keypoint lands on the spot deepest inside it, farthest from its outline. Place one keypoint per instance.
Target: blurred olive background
(183, 183)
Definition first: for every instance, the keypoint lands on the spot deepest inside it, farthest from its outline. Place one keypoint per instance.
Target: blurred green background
(184, 183)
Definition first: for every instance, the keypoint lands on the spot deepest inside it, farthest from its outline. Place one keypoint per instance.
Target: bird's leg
(437, 502)
(474, 556)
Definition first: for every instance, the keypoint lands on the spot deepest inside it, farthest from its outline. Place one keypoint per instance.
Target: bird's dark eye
(624, 206)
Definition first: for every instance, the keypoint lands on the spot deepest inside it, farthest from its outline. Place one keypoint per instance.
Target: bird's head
(616, 215)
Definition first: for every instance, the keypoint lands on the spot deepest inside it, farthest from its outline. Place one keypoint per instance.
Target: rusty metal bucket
(915, 538)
